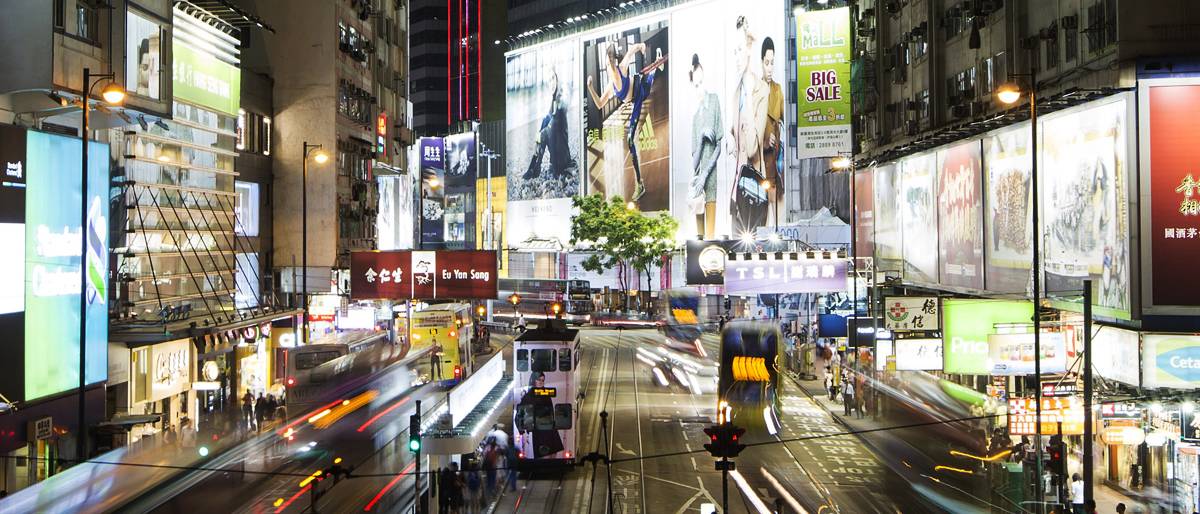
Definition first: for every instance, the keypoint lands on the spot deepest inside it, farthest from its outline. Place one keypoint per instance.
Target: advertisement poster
(1116, 355)
(967, 323)
(1008, 222)
(789, 275)
(911, 313)
(12, 227)
(433, 190)
(823, 71)
(1170, 360)
(1085, 202)
(455, 274)
(888, 241)
(1067, 410)
(918, 218)
(143, 55)
(918, 354)
(1170, 110)
(1012, 354)
(864, 213)
(728, 97)
(199, 77)
(52, 263)
(960, 216)
(627, 113)
(394, 220)
(706, 262)
(460, 187)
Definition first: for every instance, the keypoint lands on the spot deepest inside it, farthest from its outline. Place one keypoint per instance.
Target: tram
(545, 395)
(537, 294)
(748, 384)
(683, 328)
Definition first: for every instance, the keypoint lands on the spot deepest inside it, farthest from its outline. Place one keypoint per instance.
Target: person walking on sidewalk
(511, 457)
(1076, 494)
(829, 383)
(847, 397)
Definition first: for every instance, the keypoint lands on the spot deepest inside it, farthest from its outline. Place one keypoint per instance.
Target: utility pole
(1088, 467)
(414, 445)
(724, 444)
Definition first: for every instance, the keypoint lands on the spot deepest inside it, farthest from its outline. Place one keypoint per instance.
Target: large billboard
(823, 88)
(53, 261)
(960, 216)
(1085, 197)
(1116, 355)
(1171, 360)
(728, 98)
(1170, 121)
(544, 139)
(394, 221)
(967, 323)
(433, 190)
(1008, 220)
(461, 166)
(201, 78)
(918, 217)
(627, 114)
(403, 274)
(888, 237)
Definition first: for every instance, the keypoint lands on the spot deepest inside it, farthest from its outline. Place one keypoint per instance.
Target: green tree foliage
(620, 237)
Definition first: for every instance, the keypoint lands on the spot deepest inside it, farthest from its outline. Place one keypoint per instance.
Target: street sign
(912, 313)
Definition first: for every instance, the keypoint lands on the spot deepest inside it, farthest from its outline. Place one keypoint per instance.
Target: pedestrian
(248, 409)
(721, 323)
(521, 322)
(474, 489)
(847, 397)
(491, 458)
(260, 411)
(169, 435)
(445, 479)
(828, 383)
(456, 488)
(187, 434)
(511, 459)
(497, 435)
(1077, 506)
(1120, 508)
(861, 402)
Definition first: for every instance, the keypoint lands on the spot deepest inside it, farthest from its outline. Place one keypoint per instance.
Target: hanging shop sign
(1171, 360)
(967, 323)
(909, 313)
(404, 274)
(1013, 354)
(1065, 411)
(787, 273)
(1122, 431)
(1120, 410)
(170, 368)
(1117, 354)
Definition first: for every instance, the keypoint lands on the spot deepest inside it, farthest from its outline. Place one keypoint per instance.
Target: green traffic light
(414, 445)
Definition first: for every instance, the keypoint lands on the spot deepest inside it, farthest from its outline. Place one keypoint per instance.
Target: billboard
(888, 236)
(967, 323)
(1085, 201)
(747, 275)
(728, 98)
(1170, 360)
(1008, 220)
(52, 263)
(706, 262)
(911, 313)
(433, 190)
(1065, 411)
(201, 78)
(403, 274)
(1012, 354)
(864, 213)
(960, 216)
(823, 72)
(460, 173)
(917, 354)
(627, 113)
(1170, 110)
(1116, 355)
(394, 221)
(143, 55)
(918, 217)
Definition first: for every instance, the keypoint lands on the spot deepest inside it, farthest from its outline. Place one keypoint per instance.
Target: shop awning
(129, 420)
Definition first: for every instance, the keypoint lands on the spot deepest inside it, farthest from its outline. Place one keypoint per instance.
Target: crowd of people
(471, 488)
(260, 409)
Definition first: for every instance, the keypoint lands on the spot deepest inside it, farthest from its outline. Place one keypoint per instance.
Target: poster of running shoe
(918, 218)
(627, 115)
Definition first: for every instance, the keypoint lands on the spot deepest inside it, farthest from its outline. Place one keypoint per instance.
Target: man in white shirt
(1077, 494)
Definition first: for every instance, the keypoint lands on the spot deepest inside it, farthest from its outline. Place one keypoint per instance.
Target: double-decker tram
(544, 395)
(748, 385)
(537, 294)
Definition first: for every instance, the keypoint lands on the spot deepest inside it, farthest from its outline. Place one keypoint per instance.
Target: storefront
(161, 381)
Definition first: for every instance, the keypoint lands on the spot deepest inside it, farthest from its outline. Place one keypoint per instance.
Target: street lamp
(320, 157)
(112, 94)
(1009, 94)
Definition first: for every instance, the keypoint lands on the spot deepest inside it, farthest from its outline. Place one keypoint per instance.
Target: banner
(200, 78)
(918, 354)
(462, 274)
(823, 79)
(433, 190)
(1008, 222)
(1116, 354)
(967, 323)
(791, 274)
(911, 313)
(1170, 360)
(918, 218)
(960, 216)
(543, 141)
(1012, 354)
(864, 213)
(460, 187)
(1170, 110)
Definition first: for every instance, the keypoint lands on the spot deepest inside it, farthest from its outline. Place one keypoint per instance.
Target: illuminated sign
(381, 131)
(1171, 361)
(966, 326)
(907, 313)
(918, 354)
(408, 274)
(549, 392)
(1012, 354)
(1065, 411)
(750, 369)
(790, 274)
(823, 86)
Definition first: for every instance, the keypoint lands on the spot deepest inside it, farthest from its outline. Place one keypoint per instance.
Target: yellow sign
(549, 392)
(685, 316)
(750, 369)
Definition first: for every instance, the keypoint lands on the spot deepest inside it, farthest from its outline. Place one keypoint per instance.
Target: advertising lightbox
(1116, 355)
(747, 274)
(1013, 354)
(201, 78)
(394, 220)
(918, 217)
(1064, 410)
(864, 213)
(960, 216)
(911, 313)
(403, 274)
(1008, 220)
(143, 55)
(918, 354)
(433, 190)
(888, 237)
(823, 42)
(967, 323)
(1171, 360)
(52, 263)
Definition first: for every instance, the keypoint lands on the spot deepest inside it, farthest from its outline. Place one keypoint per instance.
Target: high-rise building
(453, 46)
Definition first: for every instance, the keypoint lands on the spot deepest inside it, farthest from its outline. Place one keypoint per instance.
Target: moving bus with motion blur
(545, 395)
(748, 384)
(332, 361)
(537, 294)
(682, 327)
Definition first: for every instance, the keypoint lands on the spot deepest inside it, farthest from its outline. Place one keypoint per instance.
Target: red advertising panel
(404, 274)
(864, 214)
(960, 216)
(1174, 124)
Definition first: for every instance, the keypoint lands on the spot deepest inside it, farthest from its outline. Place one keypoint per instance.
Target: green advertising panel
(823, 71)
(966, 325)
(52, 262)
(200, 78)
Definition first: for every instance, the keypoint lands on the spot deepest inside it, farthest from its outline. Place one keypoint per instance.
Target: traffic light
(514, 299)
(728, 304)
(414, 433)
(724, 440)
(735, 447)
(1056, 452)
(481, 310)
(556, 308)
(714, 445)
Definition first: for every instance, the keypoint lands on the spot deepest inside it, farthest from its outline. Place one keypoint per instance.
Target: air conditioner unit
(960, 111)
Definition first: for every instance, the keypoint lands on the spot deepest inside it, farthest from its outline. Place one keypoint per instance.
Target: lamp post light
(320, 157)
(112, 94)
(1009, 94)
(845, 162)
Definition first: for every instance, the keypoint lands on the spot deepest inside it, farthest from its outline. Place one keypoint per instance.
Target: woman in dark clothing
(535, 414)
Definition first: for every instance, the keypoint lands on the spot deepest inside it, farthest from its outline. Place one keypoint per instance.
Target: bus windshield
(309, 360)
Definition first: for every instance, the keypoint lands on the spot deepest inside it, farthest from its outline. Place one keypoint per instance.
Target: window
(522, 360)
(87, 19)
(1070, 39)
(922, 100)
(562, 416)
(253, 133)
(309, 360)
(542, 360)
(1052, 45)
(59, 13)
(564, 359)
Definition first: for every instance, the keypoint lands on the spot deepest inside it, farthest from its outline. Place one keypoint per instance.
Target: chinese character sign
(465, 274)
(823, 85)
(1173, 121)
(905, 313)
(1066, 410)
(745, 276)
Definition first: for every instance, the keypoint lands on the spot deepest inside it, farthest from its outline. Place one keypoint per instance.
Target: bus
(538, 293)
(748, 384)
(315, 370)
(682, 327)
(447, 328)
(544, 395)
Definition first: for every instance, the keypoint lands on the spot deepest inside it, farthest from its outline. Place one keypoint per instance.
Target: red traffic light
(457, 372)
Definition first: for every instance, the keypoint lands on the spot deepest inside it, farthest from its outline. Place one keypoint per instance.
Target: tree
(621, 237)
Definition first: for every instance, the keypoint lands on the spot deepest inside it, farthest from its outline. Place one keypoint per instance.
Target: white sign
(362, 318)
(918, 354)
(1012, 354)
(912, 313)
(530, 221)
(883, 350)
(467, 395)
(170, 368)
(1115, 355)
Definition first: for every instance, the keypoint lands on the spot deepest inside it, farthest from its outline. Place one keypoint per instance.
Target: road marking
(621, 449)
(685, 486)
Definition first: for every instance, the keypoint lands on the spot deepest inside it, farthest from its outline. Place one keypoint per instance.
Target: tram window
(564, 359)
(543, 360)
(562, 416)
(543, 416)
(522, 360)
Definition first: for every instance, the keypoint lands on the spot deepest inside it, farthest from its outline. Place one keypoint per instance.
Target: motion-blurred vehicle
(748, 384)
